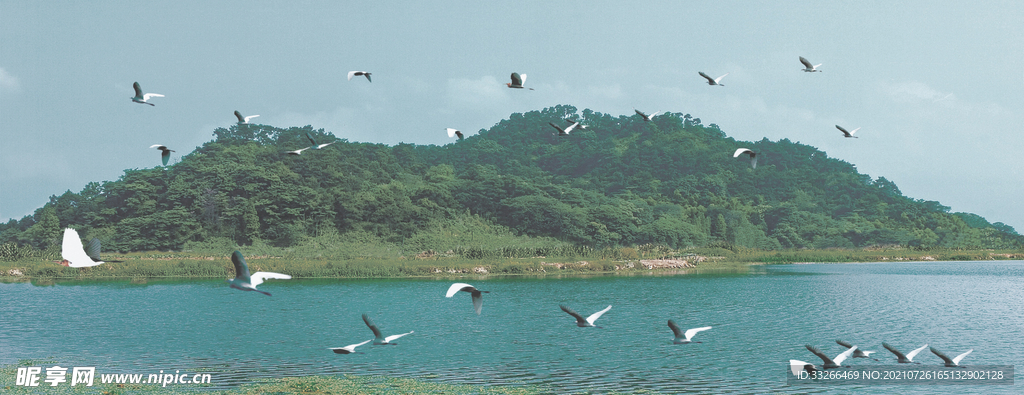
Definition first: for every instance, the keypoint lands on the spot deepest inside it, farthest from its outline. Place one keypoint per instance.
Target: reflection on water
(762, 318)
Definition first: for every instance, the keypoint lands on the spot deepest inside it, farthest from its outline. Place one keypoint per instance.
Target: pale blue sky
(937, 88)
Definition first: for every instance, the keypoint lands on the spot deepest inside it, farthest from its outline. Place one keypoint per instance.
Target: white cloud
(925, 97)
(8, 82)
(606, 92)
(338, 122)
(483, 93)
(915, 91)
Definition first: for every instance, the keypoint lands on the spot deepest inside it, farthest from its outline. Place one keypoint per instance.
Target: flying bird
(244, 120)
(684, 337)
(831, 363)
(141, 97)
(846, 133)
(585, 322)
(379, 339)
(581, 125)
(856, 354)
(647, 118)
(796, 366)
(478, 300)
(904, 358)
(315, 145)
(950, 363)
(454, 132)
(244, 281)
(93, 250)
(351, 348)
(564, 132)
(713, 81)
(808, 67)
(517, 81)
(753, 156)
(298, 151)
(357, 73)
(165, 153)
(73, 252)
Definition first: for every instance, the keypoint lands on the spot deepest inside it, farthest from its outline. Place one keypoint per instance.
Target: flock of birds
(76, 256)
(517, 82)
(246, 282)
(795, 366)
(73, 251)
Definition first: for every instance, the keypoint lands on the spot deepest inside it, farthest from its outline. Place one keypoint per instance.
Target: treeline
(620, 181)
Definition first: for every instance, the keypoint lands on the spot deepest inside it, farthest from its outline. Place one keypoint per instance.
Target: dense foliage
(622, 181)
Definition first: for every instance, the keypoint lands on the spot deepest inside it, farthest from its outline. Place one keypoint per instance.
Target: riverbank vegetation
(328, 256)
(621, 182)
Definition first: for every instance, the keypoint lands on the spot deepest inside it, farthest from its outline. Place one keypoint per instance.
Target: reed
(331, 256)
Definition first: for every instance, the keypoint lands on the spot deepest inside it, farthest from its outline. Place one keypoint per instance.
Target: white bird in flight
(753, 156)
(73, 252)
(93, 250)
(796, 366)
(831, 363)
(517, 81)
(165, 153)
(808, 67)
(564, 132)
(358, 73)
(713, 81)
(585, 322)
(858, 353)
(908, 358)
(351, 348)
(315, 145)
(580, 123)
(246, 282)
(684, 337)
(454, 132)
(950, 363)
(647, 118)
(846, 133)
(478, 299)
(298, 151)
(143, 98)
(379, 339)
(244, 120)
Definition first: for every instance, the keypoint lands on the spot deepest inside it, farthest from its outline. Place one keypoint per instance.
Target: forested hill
(621, 181)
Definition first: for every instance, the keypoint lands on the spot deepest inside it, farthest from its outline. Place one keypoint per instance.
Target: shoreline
(170, 268)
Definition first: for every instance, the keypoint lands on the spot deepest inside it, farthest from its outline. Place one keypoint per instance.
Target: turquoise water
(761, 319)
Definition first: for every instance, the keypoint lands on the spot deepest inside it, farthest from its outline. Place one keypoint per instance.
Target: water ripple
(761, 320)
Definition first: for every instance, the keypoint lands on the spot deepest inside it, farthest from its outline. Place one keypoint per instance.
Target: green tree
(46, 231)
(720, 230)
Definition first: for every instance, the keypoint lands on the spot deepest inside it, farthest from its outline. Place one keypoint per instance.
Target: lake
(761, 319)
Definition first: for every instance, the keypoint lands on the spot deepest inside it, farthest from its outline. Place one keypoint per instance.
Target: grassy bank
(320, 267)
(874, 255)
(372, 259)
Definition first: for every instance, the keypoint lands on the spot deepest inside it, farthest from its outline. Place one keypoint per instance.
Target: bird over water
(246, 282)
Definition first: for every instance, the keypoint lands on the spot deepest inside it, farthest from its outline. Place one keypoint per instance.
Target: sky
(936, 87)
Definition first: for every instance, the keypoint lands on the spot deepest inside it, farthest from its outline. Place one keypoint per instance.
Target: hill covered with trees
(621, 181)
